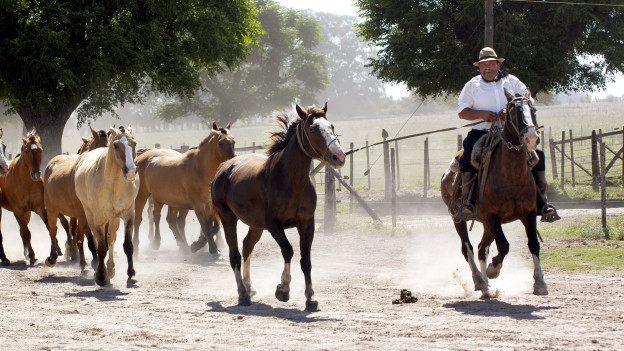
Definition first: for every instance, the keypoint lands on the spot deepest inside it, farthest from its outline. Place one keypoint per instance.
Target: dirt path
(188, 303)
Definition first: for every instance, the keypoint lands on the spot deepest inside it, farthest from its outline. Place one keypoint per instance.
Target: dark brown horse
(97, 139)
(508, 193)
(22, 193)
(276, 193)
(182, 182)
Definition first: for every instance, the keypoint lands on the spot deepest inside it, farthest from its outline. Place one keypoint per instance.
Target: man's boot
(466, 211)
(546, 210)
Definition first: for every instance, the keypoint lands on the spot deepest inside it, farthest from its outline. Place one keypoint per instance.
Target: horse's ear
(129, 129)
(508, 95)
(85, 140)
(25, 140)
(300, 112)
(214, 126)
(226, 127)
(324, 108)
(527, 93)
(93, 132)
(1, 133)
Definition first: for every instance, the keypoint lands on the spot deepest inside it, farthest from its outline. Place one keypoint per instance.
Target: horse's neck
(293, 158)
(515, 160)
(206, 160)
(18, 166)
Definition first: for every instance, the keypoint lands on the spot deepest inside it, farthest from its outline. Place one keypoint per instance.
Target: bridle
(508, 120)
(302, 133)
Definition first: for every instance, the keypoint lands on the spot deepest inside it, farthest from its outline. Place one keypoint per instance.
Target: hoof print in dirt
(406, 297)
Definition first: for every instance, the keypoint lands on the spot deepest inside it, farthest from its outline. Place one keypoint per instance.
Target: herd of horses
(108, 180)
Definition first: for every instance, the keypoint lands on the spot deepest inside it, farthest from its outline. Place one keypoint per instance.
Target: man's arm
(471, 115)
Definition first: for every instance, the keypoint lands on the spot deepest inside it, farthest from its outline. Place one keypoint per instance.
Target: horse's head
(98, 139)
(4, 164)
(122, 145)
(521, 123)
(318, 134)
(220, 142)
(31, 154)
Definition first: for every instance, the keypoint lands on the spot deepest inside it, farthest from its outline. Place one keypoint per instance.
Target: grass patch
(591, 258)
(586, 227)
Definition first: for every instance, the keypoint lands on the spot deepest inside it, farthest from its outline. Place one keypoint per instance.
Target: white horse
(107, 184)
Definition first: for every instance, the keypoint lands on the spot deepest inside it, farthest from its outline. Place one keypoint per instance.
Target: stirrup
(549, 214)
(460, 215)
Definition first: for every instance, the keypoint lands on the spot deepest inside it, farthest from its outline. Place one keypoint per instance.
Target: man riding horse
(483, 98)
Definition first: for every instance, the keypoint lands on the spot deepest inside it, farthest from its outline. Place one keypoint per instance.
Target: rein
(519, 133)
(301, 132)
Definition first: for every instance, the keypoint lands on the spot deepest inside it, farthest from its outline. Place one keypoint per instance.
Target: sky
(347, 8)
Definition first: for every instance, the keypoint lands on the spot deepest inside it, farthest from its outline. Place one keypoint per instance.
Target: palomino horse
(275, 193)
(60, 198)
(22, 192)
(106, 185)
(182, 181)
(4, 167)
(507, 194)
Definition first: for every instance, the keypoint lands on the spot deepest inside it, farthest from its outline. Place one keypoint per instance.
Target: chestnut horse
(507, 194)
(275, 193)
(182, 182)
(22, 193)
(106, 185)
(4, 167)
(60, 198)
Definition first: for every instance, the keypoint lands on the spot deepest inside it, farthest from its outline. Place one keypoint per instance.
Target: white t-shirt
(478, 94)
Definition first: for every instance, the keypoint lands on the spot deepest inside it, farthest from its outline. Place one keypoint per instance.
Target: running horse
(22, 193)
(507, 194)
(106, 185)
(275, 193)
(182, 182)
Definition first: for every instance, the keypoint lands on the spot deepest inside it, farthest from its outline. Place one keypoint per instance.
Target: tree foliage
(353, 90)
(58, 55)
(431, 45)
(281, 70)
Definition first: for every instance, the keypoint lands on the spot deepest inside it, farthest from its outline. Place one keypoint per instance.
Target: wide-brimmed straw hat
(488, 54)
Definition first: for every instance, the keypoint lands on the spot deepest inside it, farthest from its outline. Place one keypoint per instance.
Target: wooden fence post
(426, 168)
(595, 161)
(572, 159)
(393, 165)
(603, 188)
(553, 158)
(386, 156)
(368, 164)
(562, 160)
(330, 201)
(351, 179)
(398, 171)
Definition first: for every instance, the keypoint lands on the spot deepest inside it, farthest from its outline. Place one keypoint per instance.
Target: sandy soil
(187, 302)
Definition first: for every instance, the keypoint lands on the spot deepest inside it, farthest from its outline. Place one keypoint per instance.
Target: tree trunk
(50, 130)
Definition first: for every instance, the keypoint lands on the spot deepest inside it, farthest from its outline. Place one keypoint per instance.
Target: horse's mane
(207, 139)
(279, 138)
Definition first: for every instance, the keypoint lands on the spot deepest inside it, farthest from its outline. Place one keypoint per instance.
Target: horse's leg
(3, 258)
(139, 205)
(50, 222)
(181, 224)
(73, 230)
(282, 292)
(70, 253)
(228, 220)
(493, 269)
(484, 252)
(150, 218)
(23, 218)
(468, 252)
(172, 220)
(99, 236)
(128, 247)
(253, 235)
(530, 225)
(207, 225)
(92, 247)
(80, 230)
(306, 236)
(155, 244)
(111, 237)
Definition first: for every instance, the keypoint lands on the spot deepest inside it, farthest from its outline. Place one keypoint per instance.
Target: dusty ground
(189, 302)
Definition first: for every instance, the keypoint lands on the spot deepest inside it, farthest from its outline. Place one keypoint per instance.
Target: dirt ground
(188, 302)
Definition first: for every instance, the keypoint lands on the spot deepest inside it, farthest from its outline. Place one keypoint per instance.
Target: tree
(282, 69)
(431, 45)
(56, 56)
(353, 90)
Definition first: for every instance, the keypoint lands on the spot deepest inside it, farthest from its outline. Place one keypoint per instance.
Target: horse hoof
(131, 283)
(244, 301)
(155, 245)
(33, 261)
(111, 273)
(312, 306)
(101, 279)
(5, 263)
(196, 246)
(541, 290)
(282, 293)
(493, 272)
(50, 262)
